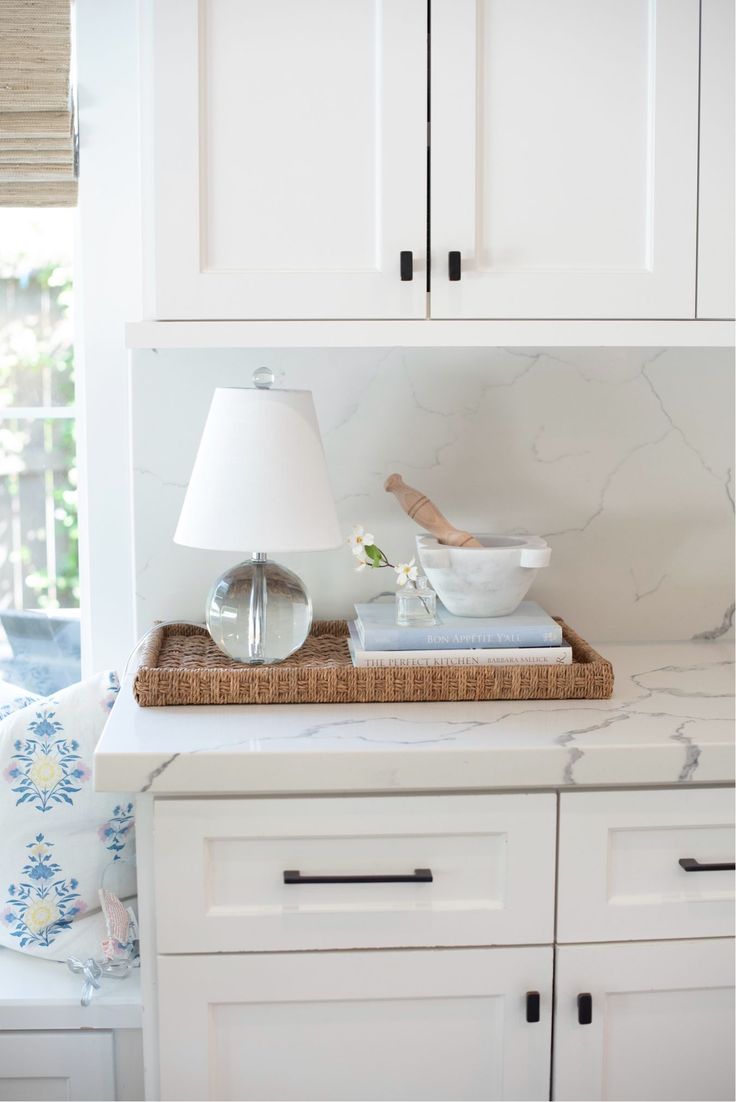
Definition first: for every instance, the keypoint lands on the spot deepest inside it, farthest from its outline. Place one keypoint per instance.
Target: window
(39, 572)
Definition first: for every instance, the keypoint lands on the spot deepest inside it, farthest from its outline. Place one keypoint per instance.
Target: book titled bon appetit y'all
(477, 656)
(528, 627)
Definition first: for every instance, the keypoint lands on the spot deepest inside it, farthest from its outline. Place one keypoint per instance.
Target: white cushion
(12, 697)
(58, 834)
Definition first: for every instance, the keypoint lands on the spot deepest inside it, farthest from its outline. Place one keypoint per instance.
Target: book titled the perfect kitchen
(479, 656)
(529, 626)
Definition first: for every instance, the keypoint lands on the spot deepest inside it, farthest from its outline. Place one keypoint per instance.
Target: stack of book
(529, 637)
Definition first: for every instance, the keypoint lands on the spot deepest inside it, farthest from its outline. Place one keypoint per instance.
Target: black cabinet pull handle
(532, 1006)
(419, 876)
(585, 1008)
(453, 266)
(689, 864)
(407, 266)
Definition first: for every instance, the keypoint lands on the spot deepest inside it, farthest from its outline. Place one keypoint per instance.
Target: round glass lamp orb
(259, 612)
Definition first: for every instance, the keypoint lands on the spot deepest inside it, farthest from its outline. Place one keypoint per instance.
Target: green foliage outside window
(39, 563)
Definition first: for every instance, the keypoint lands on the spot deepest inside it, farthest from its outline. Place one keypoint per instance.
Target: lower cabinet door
(646, 1020)
(45, 1066)
(403, 1024)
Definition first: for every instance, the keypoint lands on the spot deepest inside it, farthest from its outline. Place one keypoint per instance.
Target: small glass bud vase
(416, 604)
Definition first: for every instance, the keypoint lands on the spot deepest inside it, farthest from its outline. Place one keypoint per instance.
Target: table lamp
(259, 484)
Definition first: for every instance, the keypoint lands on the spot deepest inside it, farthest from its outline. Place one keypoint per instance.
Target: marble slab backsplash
(621, 458)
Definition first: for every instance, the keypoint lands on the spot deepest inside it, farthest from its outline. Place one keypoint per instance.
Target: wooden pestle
(426, 514)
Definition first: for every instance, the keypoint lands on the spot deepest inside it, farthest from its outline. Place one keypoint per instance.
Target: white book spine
(516, 656)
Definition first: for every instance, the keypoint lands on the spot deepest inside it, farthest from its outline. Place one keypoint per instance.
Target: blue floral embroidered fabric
(46, 766)
(58, 834)
(43, 903)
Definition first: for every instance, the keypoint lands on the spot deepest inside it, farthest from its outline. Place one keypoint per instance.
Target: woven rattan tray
(181, 665)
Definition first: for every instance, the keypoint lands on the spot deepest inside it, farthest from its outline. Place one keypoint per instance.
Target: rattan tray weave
(181, 665)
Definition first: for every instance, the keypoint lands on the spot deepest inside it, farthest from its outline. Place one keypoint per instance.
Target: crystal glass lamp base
(259, 612)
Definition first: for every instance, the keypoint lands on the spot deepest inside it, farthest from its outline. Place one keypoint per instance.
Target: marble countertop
(670, 721)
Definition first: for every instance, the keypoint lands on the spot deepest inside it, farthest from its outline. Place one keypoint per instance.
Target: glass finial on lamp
(259, 481)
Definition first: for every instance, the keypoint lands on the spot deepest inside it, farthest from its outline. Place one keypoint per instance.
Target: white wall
(107, 274)
(622, 458)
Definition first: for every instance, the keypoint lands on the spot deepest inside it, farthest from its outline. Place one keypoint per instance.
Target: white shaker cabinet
(52, 1047)
(361, 903)
(646, 1020)
(46, 1066)
(290, 176)
(290, 161)
(401, 947)
(564, 158)
(422, 1024)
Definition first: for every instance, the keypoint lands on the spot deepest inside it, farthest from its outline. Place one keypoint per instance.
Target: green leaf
(373, 554)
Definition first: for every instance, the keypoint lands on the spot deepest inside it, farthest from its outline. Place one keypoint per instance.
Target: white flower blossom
(361, 564)
(360, 539)
(406, 572)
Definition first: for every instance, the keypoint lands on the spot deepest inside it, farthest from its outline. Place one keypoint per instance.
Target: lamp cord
(155, 627)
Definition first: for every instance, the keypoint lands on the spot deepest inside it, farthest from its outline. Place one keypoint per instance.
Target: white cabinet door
(441, 1024)
(662, 1021)
(564, 158)
(289, 149)
(716, 192)
(44, 1067)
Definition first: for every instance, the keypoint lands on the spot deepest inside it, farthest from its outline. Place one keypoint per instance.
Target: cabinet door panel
(662, 1021)
(48, 1066)
(404, 1025)
(717, 123)
(564, 158)
(290, 158)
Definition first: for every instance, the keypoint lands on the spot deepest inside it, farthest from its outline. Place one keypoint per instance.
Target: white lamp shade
(260, 481)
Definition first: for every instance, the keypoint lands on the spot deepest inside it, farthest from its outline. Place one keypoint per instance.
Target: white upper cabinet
(291, 178)
(290, 160)
(564, 158)
(717, 125)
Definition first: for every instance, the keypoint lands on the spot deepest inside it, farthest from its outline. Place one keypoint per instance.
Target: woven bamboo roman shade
(37, 141)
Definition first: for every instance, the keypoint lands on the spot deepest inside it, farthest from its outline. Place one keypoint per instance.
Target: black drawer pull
(407, 266)
(419, 876)
(532, 1006)
(689, 864)
(585, 1008)
(453, 266)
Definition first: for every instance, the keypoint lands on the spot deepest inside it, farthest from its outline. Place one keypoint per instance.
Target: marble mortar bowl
(491, 580)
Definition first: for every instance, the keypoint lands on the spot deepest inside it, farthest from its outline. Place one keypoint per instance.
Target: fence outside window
(38, 499)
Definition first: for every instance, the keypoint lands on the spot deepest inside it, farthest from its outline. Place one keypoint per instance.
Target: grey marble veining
(621, 458)
(670, 721)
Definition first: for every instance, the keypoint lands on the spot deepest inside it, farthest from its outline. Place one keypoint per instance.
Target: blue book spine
(373, 637)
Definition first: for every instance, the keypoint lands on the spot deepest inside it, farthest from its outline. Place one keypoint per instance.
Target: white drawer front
(619, 869)
(220, 865)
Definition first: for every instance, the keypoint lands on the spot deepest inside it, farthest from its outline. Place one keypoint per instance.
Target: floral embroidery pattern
(46, 768)
(117, 831)
(45, 902)
(16, 704)
(111, 692)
